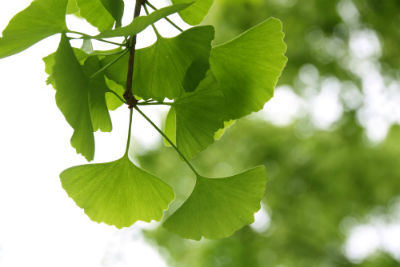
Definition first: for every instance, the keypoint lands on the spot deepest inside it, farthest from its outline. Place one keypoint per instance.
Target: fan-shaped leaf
(219, 207)
(117, 193)
(196, 13)
(248, 67)
(96, 14)
(115, 8)
(72, 97)
(41, 19)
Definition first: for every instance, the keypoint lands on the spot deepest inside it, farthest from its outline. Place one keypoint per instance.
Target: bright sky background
(39, 224)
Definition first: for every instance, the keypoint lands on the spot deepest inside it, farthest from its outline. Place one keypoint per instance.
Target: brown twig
(128, 95)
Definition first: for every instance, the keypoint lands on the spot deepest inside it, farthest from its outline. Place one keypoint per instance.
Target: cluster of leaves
(207, 88)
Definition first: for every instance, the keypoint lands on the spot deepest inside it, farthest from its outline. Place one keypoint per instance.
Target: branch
(128, 95)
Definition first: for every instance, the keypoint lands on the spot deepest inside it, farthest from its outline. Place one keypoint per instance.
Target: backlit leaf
(219, 207)
(195, 13)
(115, 8)
(161, 68)
(72, 97)
(96, 14)
(41, 19)
(117, 193)
(248, 67)
(97, 96)
(142, 22)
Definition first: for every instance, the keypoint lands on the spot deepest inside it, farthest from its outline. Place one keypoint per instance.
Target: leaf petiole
(154, 103)
(109, 64)
(166, 18)
(168, 140)
(86, 36)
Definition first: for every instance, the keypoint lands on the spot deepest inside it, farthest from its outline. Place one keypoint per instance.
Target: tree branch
(128, 95)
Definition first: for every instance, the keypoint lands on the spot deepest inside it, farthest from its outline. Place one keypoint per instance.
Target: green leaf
(219, 207)
(117, 193)
(96, 14)
(72, 97)
(97, 96)
(115, 8)
(198, 117)
(142, 22)
(170, 127)
(227, 124)
(195, 13)
(112, 101)
(41, 19)
(161, 69)
(248, 67)
(72, 7)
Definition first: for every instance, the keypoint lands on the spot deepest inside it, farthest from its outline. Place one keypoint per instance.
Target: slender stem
(166, 18)
(152, 25)
(154, 104)
(108, 64)
(116, 95)
(169, 140)
(84, 35)
(128, 95)
(128, 143)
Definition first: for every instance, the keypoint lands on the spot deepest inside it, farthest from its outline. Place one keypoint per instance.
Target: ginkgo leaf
(198, 117)
(114, 102)
(248, 67)
(219, 207)
(142, 22)
(41, 19)
(195, 13)
(96, 14)
(72, 97)
(115, 8)
(161, 68)
(72, 7)
(117, 193)
(97, 96)
(170, 127)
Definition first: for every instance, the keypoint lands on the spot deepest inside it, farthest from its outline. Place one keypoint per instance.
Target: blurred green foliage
(320, 183)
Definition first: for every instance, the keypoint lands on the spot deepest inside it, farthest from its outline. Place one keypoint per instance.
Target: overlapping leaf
(198, 117)
(97, 96)
(115, 8)
(96, 14)
(219, 207)
(117, 193)
(161, 68)
(248, 67)
(195, 13)
(41, 19)
(72, 97)
(141, 23)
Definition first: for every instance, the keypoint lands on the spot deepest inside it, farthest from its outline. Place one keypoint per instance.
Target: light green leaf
(112, 101)
(87, 46)
(161, 69)
(41, 19)
(72, 7)
(97, 96)
(115, 8)
(219, 207)
(195, 13)
(170, 127)
(141, 23)
(248, 67)
(198, 117)
(227, 124)
(72, 97)
(117, 193)
(96, 14)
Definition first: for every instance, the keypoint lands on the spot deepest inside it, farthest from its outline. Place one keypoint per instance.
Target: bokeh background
(329, 139)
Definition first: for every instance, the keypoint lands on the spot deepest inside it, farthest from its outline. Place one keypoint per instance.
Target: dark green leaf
(219, 207)
(41, 19)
